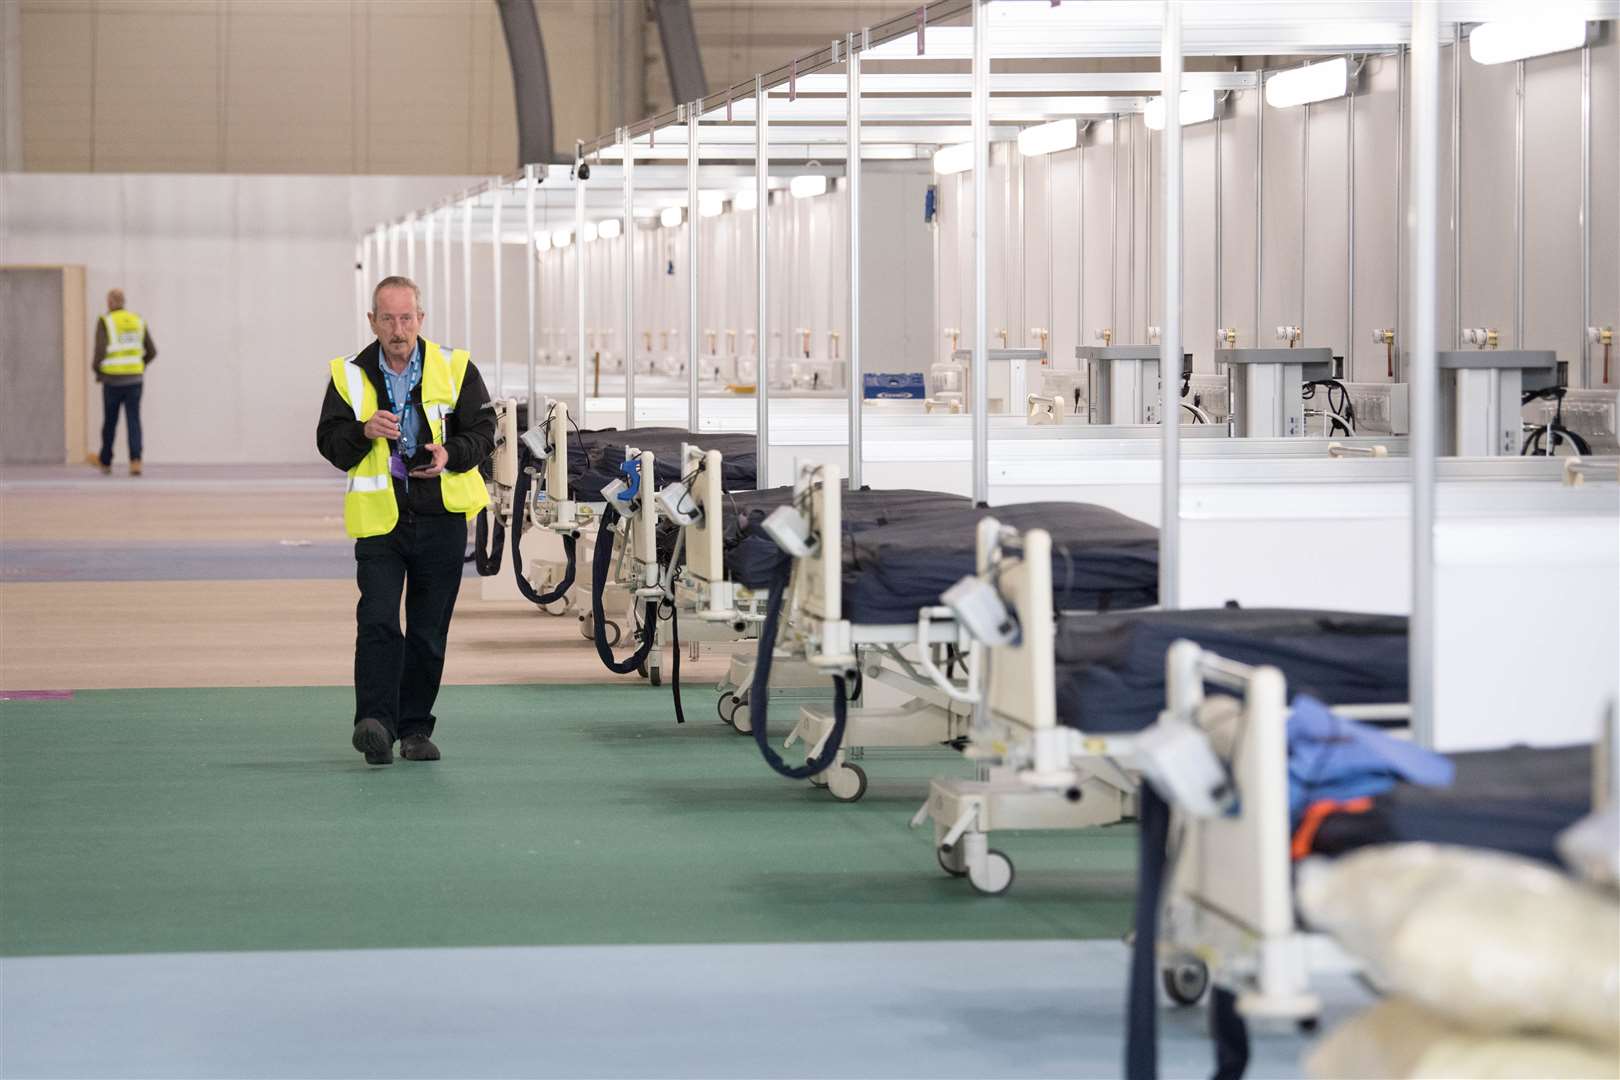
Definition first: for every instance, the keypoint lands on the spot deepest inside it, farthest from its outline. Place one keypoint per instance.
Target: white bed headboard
(705, 538)
(1022, 683)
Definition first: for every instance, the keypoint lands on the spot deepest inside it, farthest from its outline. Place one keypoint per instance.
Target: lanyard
(413, 376)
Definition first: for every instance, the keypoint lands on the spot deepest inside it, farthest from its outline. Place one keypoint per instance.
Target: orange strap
(1318, 812)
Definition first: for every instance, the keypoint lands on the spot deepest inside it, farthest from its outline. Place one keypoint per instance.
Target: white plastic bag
(1490, 941)
(1400, 1039)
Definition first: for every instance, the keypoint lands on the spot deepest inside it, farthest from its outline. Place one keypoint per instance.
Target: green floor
(170, 820)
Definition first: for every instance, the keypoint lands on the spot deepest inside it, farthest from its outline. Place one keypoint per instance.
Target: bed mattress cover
(1110, 668)
(1517, 800)
(753, 558)
(594, 457)
(1101, 559)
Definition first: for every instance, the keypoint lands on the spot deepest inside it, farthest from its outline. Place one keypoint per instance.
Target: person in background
(405, 417)
(123, 349)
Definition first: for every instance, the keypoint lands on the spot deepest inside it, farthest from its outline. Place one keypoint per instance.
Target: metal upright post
(693, 112)
(1586, 213)
(466, 274)
(853, 172)
(495, 289)
(762, 213)
(1421, 240)
(449, 306)
(580, 296)
(362, 257)
(1170, 351)
(981, 285)
(430, 294)
(530, 252)
(1350, 236)
(410, 247)
(1399, 371)
(1259, 206)
(1518, 206)
(1456, 185)
(629, 279)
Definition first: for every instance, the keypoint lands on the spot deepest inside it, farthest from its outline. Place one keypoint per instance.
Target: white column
(495, 289)
(1170, 351)
(530, 179)
(580, 293)
(693, 112)
(762, 213)
(980, 401)
(853, 170)
(629, 234)
(1421, 251)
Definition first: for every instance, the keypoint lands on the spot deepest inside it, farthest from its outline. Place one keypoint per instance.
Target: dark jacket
(469, 432)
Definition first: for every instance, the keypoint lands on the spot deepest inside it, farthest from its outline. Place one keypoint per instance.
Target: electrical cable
(601, 557)
(520, 510)
(759, 691)
(487, 550)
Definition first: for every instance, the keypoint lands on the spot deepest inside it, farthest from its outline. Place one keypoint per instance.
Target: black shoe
(373, 740)
(418, 748)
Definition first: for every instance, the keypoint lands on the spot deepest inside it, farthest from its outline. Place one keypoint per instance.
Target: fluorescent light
(1049, 138)
(953, 159)
(609, 229)
(1500, 42)
(1196, 107)
(711, 204)
(747, 199)
(671, 217)
(1313, 82)
(542, 241)
(807, 187)
(562, 238)
(590, 232)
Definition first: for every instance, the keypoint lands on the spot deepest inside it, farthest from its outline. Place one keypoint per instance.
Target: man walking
(405, 418)
(123, 349)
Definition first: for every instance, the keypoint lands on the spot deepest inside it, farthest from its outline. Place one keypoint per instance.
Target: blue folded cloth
(1331, 757)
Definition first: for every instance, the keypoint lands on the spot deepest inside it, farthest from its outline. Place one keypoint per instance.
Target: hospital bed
(867, 603)
(1221, 852)
(730, 559)
(1062, 696)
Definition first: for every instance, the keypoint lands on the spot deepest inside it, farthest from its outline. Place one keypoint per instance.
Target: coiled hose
(601, 560)
(520, 509)
(759, 690)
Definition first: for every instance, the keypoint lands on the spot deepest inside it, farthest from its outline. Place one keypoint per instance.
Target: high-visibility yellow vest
(126, 343)
(368, 506)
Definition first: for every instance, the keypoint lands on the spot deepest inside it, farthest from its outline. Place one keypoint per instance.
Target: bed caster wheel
(612, 632)
(641, 669)
(997, 876)
(558, 608)
(742, 718)
(726, 706)
(587, 627)
(820, 779)
(951, 861)
(1186, 981)
(846, 783)
(655, 676)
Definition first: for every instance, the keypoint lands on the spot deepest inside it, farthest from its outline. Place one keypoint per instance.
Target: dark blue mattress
(1101, 559)
(594, 457)
(1110, 669)
(752, 558)
(1515, 800)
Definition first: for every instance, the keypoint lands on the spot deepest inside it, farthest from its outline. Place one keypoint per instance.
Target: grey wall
(31, 422)
(1103, 256)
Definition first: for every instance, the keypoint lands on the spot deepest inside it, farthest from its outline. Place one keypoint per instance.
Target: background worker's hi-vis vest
(368, 507)
(126, 343)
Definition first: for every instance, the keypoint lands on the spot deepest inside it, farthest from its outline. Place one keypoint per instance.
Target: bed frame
(1037, 774)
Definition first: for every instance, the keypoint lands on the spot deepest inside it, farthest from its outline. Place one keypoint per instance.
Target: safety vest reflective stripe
(368, 483)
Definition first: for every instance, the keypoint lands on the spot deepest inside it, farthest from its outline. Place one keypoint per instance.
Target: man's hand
(441, 457)
(382, 425)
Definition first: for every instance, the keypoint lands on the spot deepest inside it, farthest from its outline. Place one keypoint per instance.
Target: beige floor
(100, 635)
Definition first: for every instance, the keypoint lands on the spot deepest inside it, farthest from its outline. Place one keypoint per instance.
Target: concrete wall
(247, 283)
(1054, 264)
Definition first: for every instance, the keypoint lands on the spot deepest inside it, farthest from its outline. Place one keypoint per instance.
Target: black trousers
(396, 676)
(127, 397)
